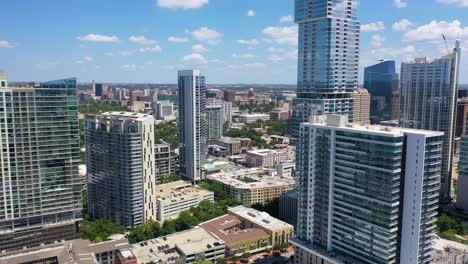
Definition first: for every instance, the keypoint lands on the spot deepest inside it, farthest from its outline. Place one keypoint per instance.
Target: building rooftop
(262, 219)
(128, 115)
(193, 241)
(341, 123)
(250, 179)
(179, 190)
(226, 228)
(229, 140)
(262, 152)
(255, 115)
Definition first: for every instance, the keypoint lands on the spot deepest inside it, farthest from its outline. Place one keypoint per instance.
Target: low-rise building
(252, 186)
(280, 232)
(265, 158)
(252, 118)
(279, 114)
(288, 207)
(286, 169)
(188, 246)
(74, 251)
(233, 145)
(176, 197)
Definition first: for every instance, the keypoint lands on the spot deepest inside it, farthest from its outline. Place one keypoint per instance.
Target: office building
(230, 96)
(325, 84)
(279, 114)
(190, 246)
(462, 116)
(428, 101)
(264, 158)
(40, 190)
(192, 124)
(252, 186)
(175, 197)
(115, 251)
(227, 115)
(381, 80)
(233, 145)
(462, 183)
(362, 105)
(164, 110)
(252, 118)
(120, 163)
(214, 122)
(166, 160)
(367, 194)
(288, 207)
(98, 89)
(395, 111)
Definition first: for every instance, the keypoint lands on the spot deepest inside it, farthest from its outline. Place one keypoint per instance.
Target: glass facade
(328, 58)
(40, 154)
(428, 101)
(381, 80)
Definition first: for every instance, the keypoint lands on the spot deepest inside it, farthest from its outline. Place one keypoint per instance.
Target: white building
(252, 118)
(265, 158)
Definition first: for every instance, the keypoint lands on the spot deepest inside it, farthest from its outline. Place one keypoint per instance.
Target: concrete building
(74, 251)
(325, 85)
(252, 186)
(230, 96)
(214, 122)
(239, 240)
(194, 245)
(40, 183)
(286, 169)
(264, 158)
(280, 232)
(429, 92)
(462, 183)
(462, 116)
(279, 114)
(288, 207)
(166, 160)
(233, 145)
(361, 108)
(367, 194)
(176, 197)
(192, 124)
(120, 164)
(381, 80)
(252, 118)
(164, 110)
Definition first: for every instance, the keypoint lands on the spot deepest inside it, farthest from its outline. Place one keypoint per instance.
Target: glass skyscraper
(192, 124)
(381, 80)
(367, 194)
(328, 58)
(429, 101)
(40, 194)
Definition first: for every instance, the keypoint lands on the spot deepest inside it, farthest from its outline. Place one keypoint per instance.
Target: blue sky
(232, 41)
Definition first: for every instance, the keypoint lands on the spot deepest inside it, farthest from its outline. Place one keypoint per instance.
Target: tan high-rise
(361, 109)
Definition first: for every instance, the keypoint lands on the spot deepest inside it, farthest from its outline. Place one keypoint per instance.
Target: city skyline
(229, 41)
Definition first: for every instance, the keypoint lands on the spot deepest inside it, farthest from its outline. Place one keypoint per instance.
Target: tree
(99, 230)
(185, 221)
(167, 178)
(147, 231)
(167, 132)
(95, 107)
(271, 207)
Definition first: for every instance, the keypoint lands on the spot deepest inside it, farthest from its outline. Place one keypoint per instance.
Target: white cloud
(243, 56)
(131, 67)
(248, 41)
(155, 49)
(88, 58)
(195, 57)
(142, 40)
(249, 66)
(402, 25)
(373, 27)
(99, 38)
(400, 4)
(177, 39)
(282, 35)
(199, 48)
(279, 54)
(207, 35)
(377, 41)
(6, 44)
(434, 30)
(286, 19)
(184, 4)
(250, 13)
(460, 3)
(125, 53)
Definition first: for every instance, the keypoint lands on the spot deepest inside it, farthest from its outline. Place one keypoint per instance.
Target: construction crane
(446, 46)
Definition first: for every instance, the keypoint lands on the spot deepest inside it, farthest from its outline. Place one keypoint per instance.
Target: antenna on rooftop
(446, 46)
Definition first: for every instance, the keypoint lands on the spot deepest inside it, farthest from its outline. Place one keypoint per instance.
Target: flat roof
(255, 115)
(179, 190)
(250, 179)
(262, 152)
(193, 241)
(262, 219)
(225, 227)
(129, 115)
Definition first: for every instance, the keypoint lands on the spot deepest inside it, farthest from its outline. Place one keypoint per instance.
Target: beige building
(361, 108)
(280, 232)
(176, 197)
(252, 118)
(189, 246)
(264, 158)
(252, 186)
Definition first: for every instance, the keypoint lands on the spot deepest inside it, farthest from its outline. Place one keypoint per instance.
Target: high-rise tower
(192, 124)
(429, 101)
(40, 189)
(328, 58)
